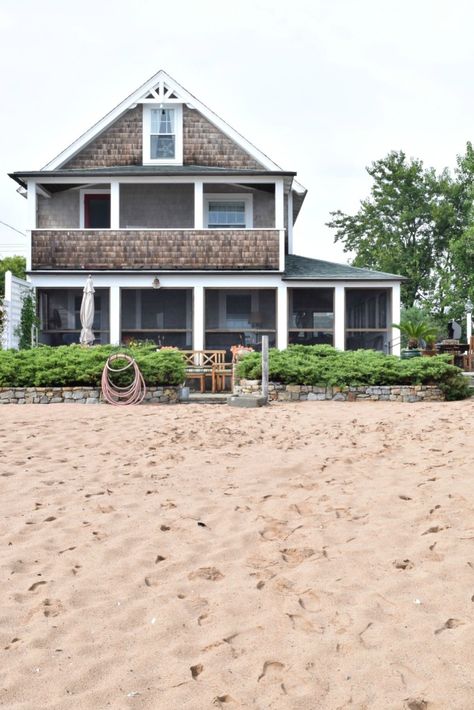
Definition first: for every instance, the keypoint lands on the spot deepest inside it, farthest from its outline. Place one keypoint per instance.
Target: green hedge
(72, 365)
(324, 366)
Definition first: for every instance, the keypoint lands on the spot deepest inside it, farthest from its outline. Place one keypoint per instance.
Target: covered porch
(217, 312)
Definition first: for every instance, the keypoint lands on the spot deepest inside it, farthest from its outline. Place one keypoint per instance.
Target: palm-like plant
(416, 332)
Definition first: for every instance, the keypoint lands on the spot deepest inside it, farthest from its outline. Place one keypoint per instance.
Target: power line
(14, 228)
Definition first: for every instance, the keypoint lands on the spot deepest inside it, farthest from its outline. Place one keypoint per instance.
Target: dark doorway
(97, 211)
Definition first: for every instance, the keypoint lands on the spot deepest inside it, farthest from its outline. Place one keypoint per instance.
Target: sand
(311, 555)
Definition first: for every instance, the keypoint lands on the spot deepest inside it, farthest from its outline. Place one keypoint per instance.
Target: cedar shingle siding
(122, 144)
(161, 250)
(204, 144)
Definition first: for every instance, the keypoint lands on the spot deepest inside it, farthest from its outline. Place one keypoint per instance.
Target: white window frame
(178, 124)
(229, 197)
(86, 191)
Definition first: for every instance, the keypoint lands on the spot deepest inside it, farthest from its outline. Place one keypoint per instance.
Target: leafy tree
(15, 264)
(405, 225)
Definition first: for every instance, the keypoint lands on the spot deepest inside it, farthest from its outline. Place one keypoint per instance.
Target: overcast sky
(323, 87)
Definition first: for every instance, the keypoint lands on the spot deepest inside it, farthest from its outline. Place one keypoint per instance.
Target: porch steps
(208, 398)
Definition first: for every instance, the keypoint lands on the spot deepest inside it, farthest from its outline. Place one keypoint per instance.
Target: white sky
(323, 87)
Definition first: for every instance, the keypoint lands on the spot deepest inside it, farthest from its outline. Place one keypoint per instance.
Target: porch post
(198, 318)
(114, 204)
(339, 317)
(32, 208)
(198, 207)
(279, 204)
(282, 317)
(395, 333)
(290, 221)
(114, 304)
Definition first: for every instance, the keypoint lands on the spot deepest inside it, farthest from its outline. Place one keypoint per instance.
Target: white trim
(32, 206)
(148, 229)
(339, 309)
(186, 98)
(189, 179)
(290, 221)
(114, 313)
(279, 204)
(228, 197)
(178, 133)
(282, 317)
(198, 318)
(114, 204)
(83, 191)
(395, 333)
(198, 204)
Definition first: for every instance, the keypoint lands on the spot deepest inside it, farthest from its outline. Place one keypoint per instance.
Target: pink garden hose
(133, 393)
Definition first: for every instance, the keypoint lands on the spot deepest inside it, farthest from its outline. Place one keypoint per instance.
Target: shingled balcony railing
(157, 249)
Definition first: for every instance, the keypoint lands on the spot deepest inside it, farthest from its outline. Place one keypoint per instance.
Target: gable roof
(300, 268)
(162, 86)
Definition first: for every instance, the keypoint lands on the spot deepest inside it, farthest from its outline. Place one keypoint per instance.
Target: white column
(290, 221)
(198, 318)
(279, 204)
(394, 333)
(282, 317)
(339, 317)
(114, 302)
(198, 206)
(114, 204)
(32, 209)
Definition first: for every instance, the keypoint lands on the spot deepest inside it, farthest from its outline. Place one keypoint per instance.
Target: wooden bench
(204, 363)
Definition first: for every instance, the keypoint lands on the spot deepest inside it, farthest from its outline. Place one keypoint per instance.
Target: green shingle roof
(302, 268)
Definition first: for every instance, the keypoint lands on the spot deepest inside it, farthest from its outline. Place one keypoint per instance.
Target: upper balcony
(157, 222)
(163, 250)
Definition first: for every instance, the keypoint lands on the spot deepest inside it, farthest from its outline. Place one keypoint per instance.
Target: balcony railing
(161, 249)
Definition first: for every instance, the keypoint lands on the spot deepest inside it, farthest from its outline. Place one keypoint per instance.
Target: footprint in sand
(416, 704)
(301, 624)
(196, 670)
(403, 564)
(36, 585)
(220, 700)
(273, 671)
(309, 601)
(295, 555)
(52, 607)
(210, 573)
(449, 624)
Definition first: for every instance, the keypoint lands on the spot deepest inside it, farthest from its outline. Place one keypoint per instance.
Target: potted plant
(417, 333)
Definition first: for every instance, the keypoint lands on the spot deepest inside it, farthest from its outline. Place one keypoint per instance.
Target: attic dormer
(162, 126)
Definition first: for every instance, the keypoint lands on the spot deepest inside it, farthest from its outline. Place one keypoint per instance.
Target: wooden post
(265, 366)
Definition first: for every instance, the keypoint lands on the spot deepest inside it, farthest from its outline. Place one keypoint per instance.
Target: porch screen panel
(367, 319)
(163, 316)
(311, 316)
(59, 315)
(239, 317)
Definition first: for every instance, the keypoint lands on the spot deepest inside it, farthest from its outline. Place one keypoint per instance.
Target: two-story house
(187, 231)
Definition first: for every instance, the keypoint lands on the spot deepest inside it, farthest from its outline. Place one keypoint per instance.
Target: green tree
(405, 225)
(15, 264)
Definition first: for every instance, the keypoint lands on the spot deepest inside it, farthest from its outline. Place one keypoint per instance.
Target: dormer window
(162, 134)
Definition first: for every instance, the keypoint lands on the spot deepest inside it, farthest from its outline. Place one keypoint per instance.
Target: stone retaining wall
(389, 393)
(78, 395)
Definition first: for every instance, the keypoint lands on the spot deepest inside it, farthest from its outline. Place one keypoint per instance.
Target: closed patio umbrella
(87, 313)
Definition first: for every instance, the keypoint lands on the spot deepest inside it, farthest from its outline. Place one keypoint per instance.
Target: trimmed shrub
(73, 365)
(324, 366)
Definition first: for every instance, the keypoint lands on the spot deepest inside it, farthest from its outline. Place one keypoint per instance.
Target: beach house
(187, 231)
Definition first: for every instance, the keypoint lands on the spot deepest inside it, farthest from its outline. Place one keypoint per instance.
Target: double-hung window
(228, 212)
(162, 134)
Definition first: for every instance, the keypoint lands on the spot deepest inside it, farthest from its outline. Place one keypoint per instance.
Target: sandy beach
(313, 555)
